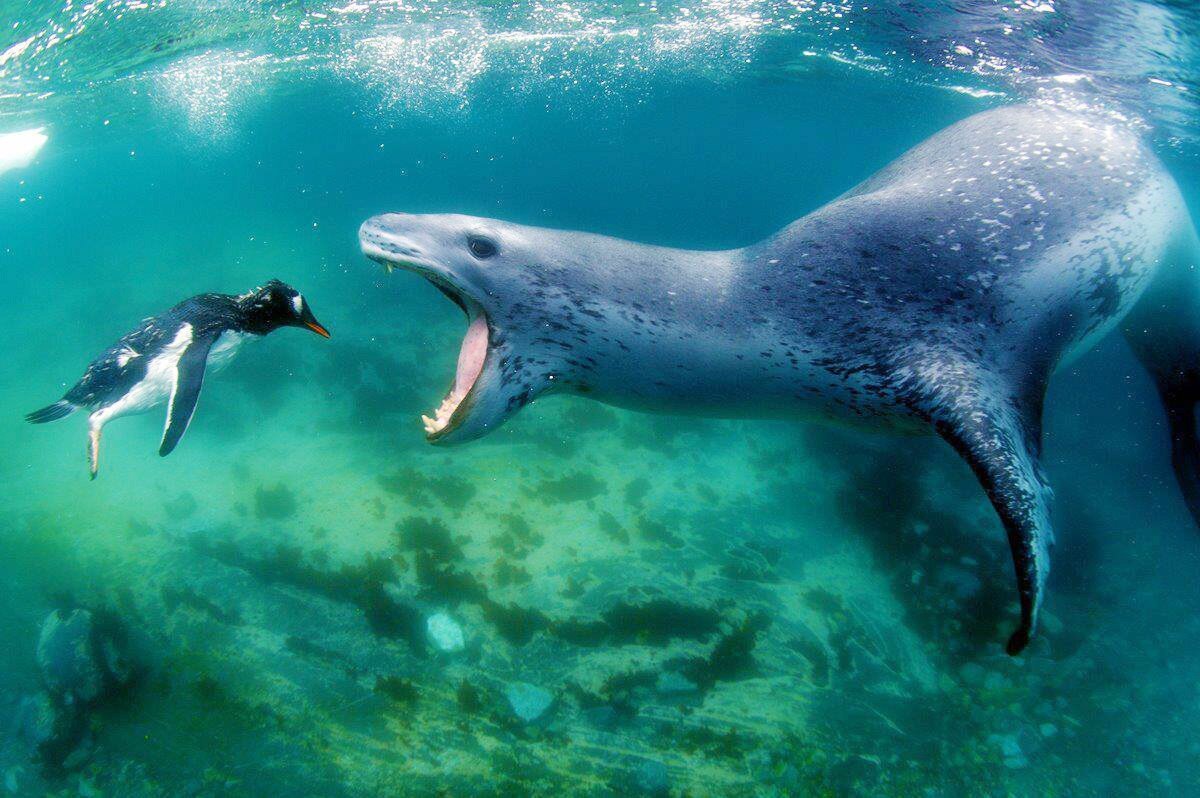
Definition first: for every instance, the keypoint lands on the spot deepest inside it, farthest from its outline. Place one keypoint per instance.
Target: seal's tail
(60, 409)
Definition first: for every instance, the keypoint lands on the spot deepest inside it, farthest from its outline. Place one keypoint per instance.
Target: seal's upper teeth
(391, 267)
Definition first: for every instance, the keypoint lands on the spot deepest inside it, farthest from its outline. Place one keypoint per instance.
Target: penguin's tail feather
(60, 409)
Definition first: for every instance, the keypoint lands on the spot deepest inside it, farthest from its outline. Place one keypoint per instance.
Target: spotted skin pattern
(940, 294)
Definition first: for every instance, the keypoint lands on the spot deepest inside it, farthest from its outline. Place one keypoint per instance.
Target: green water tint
(726, 608)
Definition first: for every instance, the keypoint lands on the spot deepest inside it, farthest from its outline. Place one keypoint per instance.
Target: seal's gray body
(1014, 238)
(941, 293)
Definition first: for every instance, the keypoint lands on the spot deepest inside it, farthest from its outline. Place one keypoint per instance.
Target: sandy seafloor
(715, 607)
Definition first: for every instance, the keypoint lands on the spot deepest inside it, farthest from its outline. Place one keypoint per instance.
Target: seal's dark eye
(481, 247)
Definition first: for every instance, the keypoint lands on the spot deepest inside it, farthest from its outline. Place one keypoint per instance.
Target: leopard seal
(940, 294)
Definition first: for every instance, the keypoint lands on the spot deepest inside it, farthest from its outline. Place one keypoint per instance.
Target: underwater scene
(716, 503)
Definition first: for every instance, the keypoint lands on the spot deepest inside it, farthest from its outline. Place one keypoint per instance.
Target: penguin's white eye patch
(298, 304)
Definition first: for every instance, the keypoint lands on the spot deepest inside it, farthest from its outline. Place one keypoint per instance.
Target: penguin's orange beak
(310, 321)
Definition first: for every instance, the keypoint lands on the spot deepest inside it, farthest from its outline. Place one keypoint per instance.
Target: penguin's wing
(185, 390)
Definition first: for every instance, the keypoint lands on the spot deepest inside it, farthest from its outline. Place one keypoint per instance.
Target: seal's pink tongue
(471, 356)
(470, 365)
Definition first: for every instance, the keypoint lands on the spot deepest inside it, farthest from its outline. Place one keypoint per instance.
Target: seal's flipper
(189, 378)
(1179, 390)
(1185, 446)
(999, 453)
(1164, 333)
(997, 430)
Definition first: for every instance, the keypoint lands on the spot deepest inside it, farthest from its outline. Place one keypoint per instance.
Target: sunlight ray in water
(212, 88)
(19, 148)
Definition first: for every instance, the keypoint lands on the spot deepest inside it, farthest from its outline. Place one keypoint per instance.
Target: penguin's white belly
(225, 348)
(153, 389)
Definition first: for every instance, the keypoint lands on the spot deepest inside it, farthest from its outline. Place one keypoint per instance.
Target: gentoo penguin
(166, 356)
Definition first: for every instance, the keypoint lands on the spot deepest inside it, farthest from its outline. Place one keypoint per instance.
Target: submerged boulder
(672, 683)
(855, 775)
(1010, 749)
(52, 731)
(36, 720)
(646, 777)
(959, 583)
(651, 778)
(445, 633)
(81, 657)
(529, 702)
(67, 656)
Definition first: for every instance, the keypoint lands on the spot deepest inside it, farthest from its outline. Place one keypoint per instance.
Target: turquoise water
(712, 607)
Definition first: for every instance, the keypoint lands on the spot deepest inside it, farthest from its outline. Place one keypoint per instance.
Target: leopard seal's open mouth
(475, 348)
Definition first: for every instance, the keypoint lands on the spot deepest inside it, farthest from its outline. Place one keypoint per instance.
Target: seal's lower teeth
(441, 416)
(470, 364)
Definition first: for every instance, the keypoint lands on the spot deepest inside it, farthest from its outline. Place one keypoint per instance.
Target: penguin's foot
(94, 451)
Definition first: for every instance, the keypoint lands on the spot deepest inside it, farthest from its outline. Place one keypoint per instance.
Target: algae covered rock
(652, 778)
(80, 657)
(67, 656)
(646, 777)
(52, 731)
(855, 775)
(672, 683)
(1010, 748)
(37, 720)
(529, 702)
(81, 660)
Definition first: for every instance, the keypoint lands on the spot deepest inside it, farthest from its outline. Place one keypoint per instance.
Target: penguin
(164, 360)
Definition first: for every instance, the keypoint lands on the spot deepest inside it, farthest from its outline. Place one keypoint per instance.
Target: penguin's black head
(276, 305)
